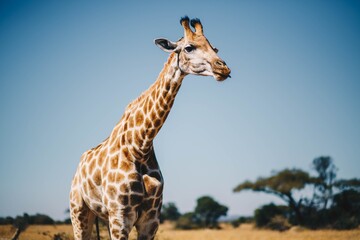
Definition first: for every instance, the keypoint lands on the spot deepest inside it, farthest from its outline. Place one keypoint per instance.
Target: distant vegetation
(20, 223)
(205, 215)
(334, 203)
(325, 202)
(26, 219)
(320, 201)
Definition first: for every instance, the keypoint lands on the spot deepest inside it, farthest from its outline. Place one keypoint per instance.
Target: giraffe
(120, 180)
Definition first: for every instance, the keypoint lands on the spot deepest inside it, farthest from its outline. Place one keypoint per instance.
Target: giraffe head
(195, 53)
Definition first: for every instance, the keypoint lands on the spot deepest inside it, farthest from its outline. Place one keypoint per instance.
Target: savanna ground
(167, 232)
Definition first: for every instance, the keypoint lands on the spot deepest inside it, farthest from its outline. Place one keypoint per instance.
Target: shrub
(208, 211)
(61, 236)
(21, 222)
(170, 212)
(67, 221)
(279, 223)
(41, 219)
(237, 222)
(264, 214)
(346, 223)
(6, 220)
(187, 221)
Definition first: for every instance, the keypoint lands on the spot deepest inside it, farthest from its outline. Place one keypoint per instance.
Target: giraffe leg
(82, 217)
(121, 222)
(148, 223)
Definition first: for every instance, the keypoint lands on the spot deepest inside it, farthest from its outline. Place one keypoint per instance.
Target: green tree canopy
(334, 202)
(188, 221)
(208, 211)
(324, 187)
(327, 184)
(170, 212)
(281, 184)
(346, 184)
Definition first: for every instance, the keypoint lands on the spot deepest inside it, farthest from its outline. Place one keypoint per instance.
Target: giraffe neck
(144, 117)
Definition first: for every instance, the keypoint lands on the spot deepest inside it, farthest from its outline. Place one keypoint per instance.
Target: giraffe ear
(165, 44)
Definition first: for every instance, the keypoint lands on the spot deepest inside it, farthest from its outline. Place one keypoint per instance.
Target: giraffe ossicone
(120, 180)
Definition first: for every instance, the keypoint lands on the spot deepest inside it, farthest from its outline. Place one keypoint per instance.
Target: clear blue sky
(69, 68)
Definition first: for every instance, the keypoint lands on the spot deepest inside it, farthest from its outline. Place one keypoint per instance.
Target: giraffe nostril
(220, 63)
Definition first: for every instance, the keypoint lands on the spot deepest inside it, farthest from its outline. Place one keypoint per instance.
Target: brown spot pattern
(124, 188)
(136, 187)
(92, 166)
(124, 199)
(111, 192)
(125, 165)
(119, 177)
(138, 139)
(97, 177)
(111, 177)
(148, 123)
(115, 147)
(139, 118)
(157, 123)
(114, 162)
(129, 136)
(135, 199)
(125, 146)
(126, 153)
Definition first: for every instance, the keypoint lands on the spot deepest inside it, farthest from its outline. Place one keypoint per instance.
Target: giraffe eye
(189, 49)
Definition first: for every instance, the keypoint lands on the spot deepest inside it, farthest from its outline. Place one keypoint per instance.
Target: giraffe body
(120, 180)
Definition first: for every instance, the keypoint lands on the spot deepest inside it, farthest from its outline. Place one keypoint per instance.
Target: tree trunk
(296, 207)
(16, 234)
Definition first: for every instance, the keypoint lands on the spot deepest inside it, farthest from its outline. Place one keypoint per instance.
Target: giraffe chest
(139, 187)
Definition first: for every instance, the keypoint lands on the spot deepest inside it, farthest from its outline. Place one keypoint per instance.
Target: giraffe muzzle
(222, 73)
(220, 70)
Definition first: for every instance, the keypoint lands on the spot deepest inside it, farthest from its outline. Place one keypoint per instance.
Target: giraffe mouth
(221, 76)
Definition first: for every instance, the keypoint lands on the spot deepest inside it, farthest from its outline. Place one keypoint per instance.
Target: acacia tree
(324, 187)
(348, 184)
(327, 184)
(333, 199)
(282, 184)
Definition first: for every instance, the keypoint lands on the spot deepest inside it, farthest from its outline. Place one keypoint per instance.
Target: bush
(347, 201)
(236, 223)
(264, 214)
(21, 222)
(279, 223)
(41, 219)
(169, 212)
(6, 220)
(27, 219)
(187, 221)
(61, 236)
(346, 223)
(208, 211)
(67, 221)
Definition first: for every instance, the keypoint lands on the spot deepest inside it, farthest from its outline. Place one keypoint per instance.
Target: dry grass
(166, 232)
(246, 231)
(37, 232)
